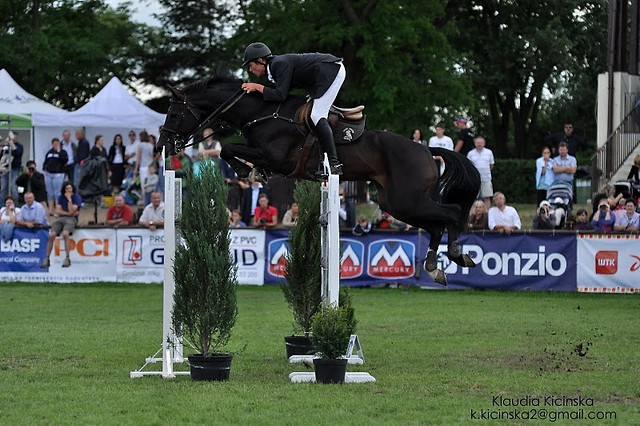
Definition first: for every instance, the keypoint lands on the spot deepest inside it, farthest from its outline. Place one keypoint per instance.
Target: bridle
(179, 140)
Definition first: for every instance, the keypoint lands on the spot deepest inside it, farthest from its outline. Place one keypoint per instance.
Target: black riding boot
(325, 137)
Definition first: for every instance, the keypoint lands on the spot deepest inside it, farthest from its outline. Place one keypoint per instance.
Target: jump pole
(330, 275)
(171, 345)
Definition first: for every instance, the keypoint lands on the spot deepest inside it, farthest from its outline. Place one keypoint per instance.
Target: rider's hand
(252, 87)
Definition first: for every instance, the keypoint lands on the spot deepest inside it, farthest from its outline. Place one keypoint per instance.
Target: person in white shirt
(153, 214)
(503, 218)
(482, 158)
(440, 140)
(629, 220)
(131, 151)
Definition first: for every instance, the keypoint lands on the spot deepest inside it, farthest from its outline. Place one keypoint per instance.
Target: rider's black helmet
(255, 51)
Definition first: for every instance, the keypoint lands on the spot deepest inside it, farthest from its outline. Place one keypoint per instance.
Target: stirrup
(336, 169)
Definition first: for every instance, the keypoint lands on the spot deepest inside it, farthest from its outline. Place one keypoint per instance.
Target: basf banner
(609, 263)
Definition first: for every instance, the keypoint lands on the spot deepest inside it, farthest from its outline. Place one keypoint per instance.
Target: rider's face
(257, 67)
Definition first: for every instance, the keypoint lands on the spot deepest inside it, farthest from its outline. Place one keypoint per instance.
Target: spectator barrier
(558, 262)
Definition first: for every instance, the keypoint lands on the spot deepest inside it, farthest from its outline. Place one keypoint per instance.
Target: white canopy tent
(16, 108)
(112, 111)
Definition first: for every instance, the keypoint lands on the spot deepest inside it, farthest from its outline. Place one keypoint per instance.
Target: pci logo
(132, 250)
(278, 250)
(391, 259)
(606, 262)
(351, 259)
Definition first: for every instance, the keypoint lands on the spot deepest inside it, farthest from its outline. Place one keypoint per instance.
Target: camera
(603, 207)
(263, 220)
(543, 211)
(31, 169)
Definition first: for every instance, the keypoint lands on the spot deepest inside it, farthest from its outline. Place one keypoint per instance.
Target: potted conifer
(205, 308)
(303, 288)
(331, 329)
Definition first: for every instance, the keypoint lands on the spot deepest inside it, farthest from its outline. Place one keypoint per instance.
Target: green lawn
(438, 357)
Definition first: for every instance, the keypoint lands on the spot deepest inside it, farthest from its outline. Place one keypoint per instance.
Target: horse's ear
(177, 93)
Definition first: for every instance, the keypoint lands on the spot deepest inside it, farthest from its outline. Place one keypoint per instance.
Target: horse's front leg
(454, 250)
(233, 153)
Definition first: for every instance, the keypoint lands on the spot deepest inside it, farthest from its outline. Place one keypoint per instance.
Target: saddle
(347, 125)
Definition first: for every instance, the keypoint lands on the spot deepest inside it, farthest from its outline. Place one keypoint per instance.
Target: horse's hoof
(431, 262)
(463, 260)
(438, 276)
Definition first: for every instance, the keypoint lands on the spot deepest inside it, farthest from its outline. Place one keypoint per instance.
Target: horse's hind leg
(431, 262)
(454, 249)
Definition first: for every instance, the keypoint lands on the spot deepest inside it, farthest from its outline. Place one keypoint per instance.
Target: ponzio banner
(609, 263)
(515, 262)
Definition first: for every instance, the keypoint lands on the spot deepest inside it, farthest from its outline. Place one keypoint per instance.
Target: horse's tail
(459, 183)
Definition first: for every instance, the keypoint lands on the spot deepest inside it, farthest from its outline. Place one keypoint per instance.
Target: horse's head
(182, 120)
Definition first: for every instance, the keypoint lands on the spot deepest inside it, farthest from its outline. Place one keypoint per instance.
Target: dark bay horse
(407, 177)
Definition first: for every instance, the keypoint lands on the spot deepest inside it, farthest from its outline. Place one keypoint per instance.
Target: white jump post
(171, 345)
(330, 275)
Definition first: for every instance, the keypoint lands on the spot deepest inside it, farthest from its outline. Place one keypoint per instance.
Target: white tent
(17, 105)
(112, 111)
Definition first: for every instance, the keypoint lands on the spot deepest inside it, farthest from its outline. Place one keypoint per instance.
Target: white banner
(247, 249)
(140, 255)
(608, 263)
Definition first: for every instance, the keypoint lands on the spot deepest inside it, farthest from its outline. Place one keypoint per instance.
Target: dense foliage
(303, 288)
(205, 308)
(331, 329)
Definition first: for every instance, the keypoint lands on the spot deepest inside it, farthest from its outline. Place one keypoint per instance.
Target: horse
(410, 185)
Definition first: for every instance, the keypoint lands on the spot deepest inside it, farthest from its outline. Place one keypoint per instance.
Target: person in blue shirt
(67, 210)
(32, 214)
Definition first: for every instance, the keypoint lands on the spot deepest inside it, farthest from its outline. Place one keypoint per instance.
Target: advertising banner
(140, 256)
(247, 249)
(609, 263)
(515, 262)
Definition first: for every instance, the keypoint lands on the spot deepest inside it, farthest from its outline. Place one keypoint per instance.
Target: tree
(65, 51)
(515, 51)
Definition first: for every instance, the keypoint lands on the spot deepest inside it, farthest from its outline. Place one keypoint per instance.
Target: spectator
(345, 214)
(574, 142)
(116, 158)
(603, 218)
(8, 218)
(564, 165)
(363, 226)
(32, 181)
(382, 220)
(153, 214)
(71, 149)
(250, 197)
(67, 210)
(291, 216)
(543, 218)
(440, 140)
(209, 147)
(55, 162)
(416, 136)
(582, 221)
(98, 149)
(607, 193)
(9, 186)
(32, 214)
(145, 156)
(482, 158)
(150, 184)
(634, 173)
(478, 216)
(629, 220)
(544, 174)
(82, 153)
(202, 160)
(503, 218)
(120, 214)
(236, 220)
(265, 216)
(131, 152)
(234, 185)
(181, 164)
(465, 137)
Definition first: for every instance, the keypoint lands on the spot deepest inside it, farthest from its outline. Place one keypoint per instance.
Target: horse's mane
(221, 77)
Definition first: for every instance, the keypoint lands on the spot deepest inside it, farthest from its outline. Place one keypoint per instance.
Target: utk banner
(609, 263)
(508, 262)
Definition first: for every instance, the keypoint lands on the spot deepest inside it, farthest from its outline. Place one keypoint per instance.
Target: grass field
(438, 357)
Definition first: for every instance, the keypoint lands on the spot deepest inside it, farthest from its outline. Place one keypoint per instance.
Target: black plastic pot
(330, 370)
(298, 345)
(213, 367)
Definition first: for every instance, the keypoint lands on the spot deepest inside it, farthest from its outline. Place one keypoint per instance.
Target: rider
(321, 74)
